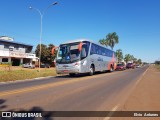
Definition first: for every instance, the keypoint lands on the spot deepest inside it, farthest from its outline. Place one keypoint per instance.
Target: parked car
(130, 65)
(120, 67)
(45, 65)
(28, 65)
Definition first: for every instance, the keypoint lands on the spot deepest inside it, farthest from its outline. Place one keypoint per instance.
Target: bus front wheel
(91, 70)
(72, 74)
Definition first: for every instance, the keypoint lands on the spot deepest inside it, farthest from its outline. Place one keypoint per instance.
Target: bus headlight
(76, 64)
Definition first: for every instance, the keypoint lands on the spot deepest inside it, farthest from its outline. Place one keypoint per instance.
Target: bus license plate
(65, 71)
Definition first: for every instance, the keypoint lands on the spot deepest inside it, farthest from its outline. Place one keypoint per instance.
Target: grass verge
(157, 67)
(23, 74)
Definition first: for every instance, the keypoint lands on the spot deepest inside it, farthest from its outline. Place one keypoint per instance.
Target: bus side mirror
(80, 47)
(53, 50)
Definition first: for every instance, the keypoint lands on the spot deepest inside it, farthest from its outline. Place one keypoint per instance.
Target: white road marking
(145, 71)
(142, 76)
(112, 112)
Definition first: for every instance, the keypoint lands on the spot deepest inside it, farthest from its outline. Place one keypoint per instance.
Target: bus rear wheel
(111, 69)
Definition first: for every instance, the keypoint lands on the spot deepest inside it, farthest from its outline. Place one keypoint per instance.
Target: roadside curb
(38, 78)
(26, 80)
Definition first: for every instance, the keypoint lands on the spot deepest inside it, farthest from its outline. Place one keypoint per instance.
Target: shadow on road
(2, 106)
(80, 75)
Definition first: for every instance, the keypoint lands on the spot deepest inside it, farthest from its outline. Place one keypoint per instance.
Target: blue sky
(137, 22)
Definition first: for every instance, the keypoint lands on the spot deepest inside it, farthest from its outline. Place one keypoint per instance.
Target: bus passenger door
(84, 53)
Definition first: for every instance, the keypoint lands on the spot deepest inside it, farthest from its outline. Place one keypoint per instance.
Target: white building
(15, 53)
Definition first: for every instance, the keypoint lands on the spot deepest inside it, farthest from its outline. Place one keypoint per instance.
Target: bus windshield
(68, 53)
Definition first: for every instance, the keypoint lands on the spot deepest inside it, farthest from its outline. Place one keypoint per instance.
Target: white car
(28, 65)
(138, 66)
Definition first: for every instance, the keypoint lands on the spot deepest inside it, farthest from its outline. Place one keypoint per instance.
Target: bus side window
(92, 49)
(103, 51)
(97, 49)
(107, 53)
(100, 50)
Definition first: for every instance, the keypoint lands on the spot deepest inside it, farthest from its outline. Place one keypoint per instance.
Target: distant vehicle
(138, 66)
(120, 67)
(28, 65)
(83, 56)
(130, 65)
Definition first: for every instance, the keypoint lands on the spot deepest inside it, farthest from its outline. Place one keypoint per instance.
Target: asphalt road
(101, 92)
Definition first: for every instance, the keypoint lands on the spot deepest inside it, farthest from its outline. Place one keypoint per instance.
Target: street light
(41, 19)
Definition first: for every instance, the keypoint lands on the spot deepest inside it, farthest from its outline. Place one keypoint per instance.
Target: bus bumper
(67, 70)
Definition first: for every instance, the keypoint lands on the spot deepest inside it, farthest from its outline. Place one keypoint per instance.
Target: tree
(43, 52)
(131, 57)
(139, 61)
(103, 42)
(119, 55)
(46, 55)
(127, 58)
(111, 40)
(51, 57)
(135, 60)
(157, 62)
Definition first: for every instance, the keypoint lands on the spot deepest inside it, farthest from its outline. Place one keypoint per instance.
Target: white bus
(83, 56)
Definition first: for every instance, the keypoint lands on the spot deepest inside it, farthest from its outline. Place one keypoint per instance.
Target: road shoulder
(145, 97)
